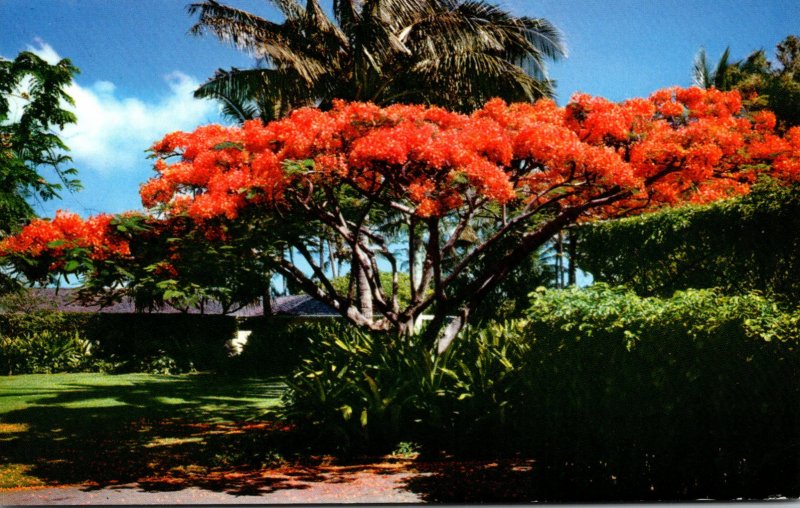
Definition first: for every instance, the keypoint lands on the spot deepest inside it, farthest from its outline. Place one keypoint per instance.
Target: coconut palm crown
(451, 53)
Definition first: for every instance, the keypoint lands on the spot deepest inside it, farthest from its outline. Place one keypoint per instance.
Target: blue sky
(139, 65)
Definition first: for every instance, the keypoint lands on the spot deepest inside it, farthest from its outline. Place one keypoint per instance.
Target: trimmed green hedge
(748, 243)
(49, 341)
(125, 342)
(693, 396)
(174, 342)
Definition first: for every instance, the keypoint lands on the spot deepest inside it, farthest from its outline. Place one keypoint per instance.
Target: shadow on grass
(163, 433)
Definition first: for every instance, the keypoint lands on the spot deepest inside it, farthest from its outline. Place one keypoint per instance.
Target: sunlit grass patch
(11, 428)
(16, 476)
(67, 429)
(172, 441)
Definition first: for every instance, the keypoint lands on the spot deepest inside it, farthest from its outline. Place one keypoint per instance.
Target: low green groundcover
(106, 429)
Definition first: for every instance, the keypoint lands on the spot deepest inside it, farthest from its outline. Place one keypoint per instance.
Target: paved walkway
(333, 485)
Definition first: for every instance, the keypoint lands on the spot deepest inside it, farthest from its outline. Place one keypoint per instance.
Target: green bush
(366, 392)
(159, 343)
(696, 395)
(44, 352)
(356, 391)
(614, 395)
(171, 343)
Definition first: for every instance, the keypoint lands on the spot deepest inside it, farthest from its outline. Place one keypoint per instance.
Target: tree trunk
(364, 291)
(332, 260)
(266, 303)
(321, 252)
(572, 249)
(412, 257)
(559, 261)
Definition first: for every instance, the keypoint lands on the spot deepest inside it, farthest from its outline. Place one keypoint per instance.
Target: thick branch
(436, 257)
(462, 303)
(317, 270)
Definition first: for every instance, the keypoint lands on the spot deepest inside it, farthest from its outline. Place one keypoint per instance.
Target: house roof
(65, 300)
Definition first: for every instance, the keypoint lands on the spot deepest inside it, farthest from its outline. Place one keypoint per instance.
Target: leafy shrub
(614, 395)
(696, 395)
(363, 392)
(158, 343)
(44, 352)
(23, 323)
(356, 390)
(171, 343)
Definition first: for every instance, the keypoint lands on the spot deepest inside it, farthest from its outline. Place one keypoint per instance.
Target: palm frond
(267, 94)
(453, 53)
(484, 76)
(290, 8)
(347, 13)
(721, 72)
(719, 77)
(482, 28)
(318, 21)
(544, 36)
(395, 14)
(280, 44)
(701, 72)
(234, 95)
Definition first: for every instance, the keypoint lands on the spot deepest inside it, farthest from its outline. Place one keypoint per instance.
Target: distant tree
(452, 53)
(706, 77)
(32, 96)
(763, 84)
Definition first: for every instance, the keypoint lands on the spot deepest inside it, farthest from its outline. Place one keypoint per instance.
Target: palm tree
(706, 77)
(451, 53)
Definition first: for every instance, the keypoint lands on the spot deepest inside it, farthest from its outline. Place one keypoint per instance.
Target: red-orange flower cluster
(67, 231)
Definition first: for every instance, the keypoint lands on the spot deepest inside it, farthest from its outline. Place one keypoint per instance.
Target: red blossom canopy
(592, 159)
(679, 145)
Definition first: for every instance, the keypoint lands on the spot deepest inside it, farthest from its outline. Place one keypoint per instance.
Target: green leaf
(72, 265)
(225, 145)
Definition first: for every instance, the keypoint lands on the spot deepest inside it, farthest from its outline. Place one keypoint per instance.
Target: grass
(101, 429)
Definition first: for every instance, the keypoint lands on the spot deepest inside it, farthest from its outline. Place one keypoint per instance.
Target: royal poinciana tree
(473, 195)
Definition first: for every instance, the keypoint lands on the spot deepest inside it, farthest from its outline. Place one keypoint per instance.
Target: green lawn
(106, 429)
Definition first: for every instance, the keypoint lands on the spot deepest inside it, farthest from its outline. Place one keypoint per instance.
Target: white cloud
(112, 132)
(44, 51)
